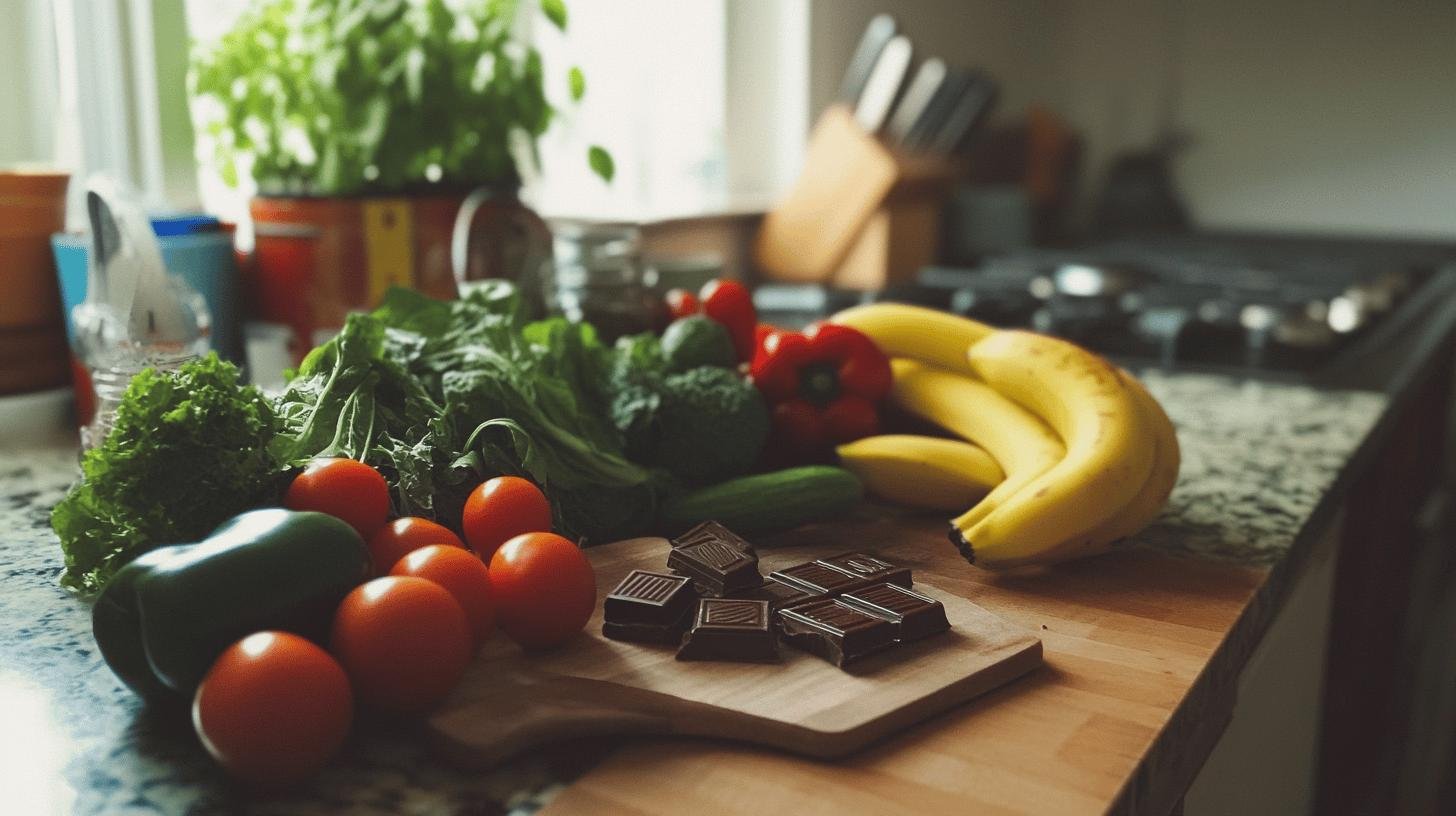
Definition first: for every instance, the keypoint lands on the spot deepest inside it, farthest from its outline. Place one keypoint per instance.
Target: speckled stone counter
(1258, 458)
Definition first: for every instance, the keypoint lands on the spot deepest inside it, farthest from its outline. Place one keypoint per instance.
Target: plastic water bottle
(135, 315)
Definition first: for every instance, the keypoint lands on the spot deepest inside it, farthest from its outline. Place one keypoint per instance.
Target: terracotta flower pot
(316, 259)
(33, 350)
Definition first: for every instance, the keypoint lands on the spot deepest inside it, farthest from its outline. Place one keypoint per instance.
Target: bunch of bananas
(1059, 454)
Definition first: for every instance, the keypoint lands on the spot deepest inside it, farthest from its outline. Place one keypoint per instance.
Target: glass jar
(597, 276)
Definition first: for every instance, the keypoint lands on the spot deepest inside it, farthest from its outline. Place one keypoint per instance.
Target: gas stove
(1276, 307)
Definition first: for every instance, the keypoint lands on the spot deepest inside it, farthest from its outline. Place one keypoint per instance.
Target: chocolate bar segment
(779, 595)
(913, 615)
(714, 531)
(835, 631)
(869, 568)
(816, 578)
(648, 607)
(716, 568)
(730, 629)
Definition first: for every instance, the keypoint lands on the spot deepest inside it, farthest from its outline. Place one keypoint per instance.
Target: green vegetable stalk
(188, 450)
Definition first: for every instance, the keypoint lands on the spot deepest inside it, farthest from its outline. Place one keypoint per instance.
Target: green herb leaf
(601, 162)
(555, 11)
(577, 82)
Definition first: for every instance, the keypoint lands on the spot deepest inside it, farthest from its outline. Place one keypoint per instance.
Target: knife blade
(884, 84)
(975, 102)
(918, 96)
(880, 30)
(938, 109)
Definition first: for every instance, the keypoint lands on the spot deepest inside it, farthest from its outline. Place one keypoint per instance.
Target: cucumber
(766, 501)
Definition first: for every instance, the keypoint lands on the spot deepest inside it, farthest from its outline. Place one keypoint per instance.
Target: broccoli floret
(711, 425)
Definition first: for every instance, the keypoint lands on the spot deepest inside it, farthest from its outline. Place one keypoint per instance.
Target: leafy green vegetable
(440, 395)
(188, 450)
(330, 97)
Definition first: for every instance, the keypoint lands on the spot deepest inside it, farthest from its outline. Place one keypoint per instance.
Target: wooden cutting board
(510, 701)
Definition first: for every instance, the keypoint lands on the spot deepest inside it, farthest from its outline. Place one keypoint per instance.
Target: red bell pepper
(824, 386)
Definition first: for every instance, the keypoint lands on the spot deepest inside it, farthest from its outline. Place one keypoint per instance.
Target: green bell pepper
(164, 617)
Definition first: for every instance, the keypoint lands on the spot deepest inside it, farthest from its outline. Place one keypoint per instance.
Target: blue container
(203, 259)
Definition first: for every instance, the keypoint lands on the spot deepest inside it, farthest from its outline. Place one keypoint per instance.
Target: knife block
(861, 215)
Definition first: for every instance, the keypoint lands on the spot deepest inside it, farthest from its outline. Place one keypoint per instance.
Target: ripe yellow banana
(1021, 444)
(916, 333)
(1149, 501)
(1109, 454)
(921, 471)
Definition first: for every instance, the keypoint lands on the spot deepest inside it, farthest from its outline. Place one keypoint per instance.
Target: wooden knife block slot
(861, 215)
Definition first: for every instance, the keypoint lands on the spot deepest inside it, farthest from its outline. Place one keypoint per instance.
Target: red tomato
(404, 643)
(501, 509)
(273, 709)
(730, 303)
(681, 303)
(403, 536)
(544, 589)
(463, 574)
(345, 488)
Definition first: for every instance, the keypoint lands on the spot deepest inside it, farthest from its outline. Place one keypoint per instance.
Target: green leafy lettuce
(188, 450)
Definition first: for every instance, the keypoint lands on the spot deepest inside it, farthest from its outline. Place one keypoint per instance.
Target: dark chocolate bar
(714, 531)
(835, 631)
(650, 607)
(716, 568)
(869, 568)
(913, 615)
(778, 595)
(817, 579)
(730, 629)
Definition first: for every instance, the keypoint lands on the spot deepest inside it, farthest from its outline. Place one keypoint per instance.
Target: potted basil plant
(366, 124)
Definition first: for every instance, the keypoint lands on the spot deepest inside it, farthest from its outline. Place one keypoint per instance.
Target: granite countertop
(1257, 460)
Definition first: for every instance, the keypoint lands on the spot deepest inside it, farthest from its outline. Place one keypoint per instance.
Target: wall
(1303, 115)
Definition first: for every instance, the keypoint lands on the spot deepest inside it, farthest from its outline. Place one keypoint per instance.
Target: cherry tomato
(544, 589)
(273, 709)
(501, 509)
(403, 536)
(463, 574)
(345, 488)
(730, 303)
(681, 303)
(403, 641)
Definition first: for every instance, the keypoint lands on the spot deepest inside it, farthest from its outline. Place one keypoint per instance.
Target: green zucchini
(766, 501)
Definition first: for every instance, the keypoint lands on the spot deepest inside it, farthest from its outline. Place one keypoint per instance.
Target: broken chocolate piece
(716, 568)
(869, 568)
(913, 615)
(714, 531)
(817, 579)
(835, 631)
(650, 607)
(730, 629)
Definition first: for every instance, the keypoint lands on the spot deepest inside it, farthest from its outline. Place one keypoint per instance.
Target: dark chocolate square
(651, 607)
(816, 578)
(716, 568)
(714, 531)
(913, 615)
(869, 567)
(730, 629)
(835, 631)
(778, 595)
